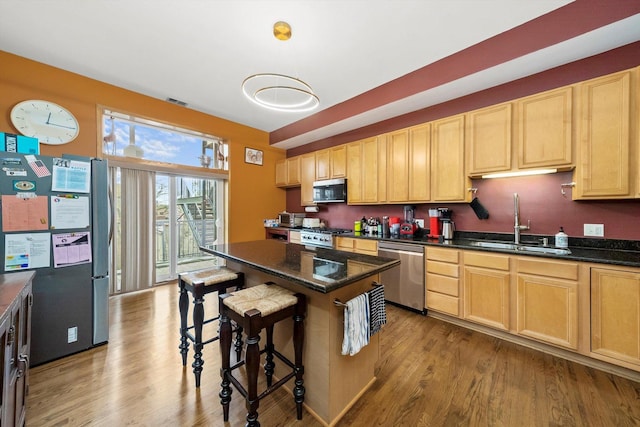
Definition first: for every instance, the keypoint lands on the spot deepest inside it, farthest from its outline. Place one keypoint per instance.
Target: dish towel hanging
(377, 309)
(356, 325)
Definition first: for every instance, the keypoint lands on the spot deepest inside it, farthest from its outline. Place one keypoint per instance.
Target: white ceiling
(200, 51)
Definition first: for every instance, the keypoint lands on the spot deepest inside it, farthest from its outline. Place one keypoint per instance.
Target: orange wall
(252, 193)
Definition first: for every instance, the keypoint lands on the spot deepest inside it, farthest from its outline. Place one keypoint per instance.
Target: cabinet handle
(23, 364)
(11, 335)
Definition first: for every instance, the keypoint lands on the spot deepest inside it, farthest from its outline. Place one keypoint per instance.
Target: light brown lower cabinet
(443, 280)
(615, 315)
(486, 289)
(547, 301)
(360, 246)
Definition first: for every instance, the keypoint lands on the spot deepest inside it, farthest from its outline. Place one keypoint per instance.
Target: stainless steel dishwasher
(404, 285)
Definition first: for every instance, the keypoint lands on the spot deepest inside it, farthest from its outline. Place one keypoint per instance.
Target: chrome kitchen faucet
(517, 227)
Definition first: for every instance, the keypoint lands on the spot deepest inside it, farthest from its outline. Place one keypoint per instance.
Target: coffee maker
(436, 217)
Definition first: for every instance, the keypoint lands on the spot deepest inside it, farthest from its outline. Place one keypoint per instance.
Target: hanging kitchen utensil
(479, 210)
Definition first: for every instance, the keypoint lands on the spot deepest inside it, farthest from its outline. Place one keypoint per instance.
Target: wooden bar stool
(200, 283)
(254, 309)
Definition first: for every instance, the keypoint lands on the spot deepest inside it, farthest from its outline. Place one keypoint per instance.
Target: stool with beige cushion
(200, 283)
(254, 309)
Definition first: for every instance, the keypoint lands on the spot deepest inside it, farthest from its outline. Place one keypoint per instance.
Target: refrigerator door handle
(112, 214)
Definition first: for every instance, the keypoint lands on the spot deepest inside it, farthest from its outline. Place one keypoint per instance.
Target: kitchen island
(333, 382)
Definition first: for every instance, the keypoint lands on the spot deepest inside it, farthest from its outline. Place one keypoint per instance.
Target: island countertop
(319, 269)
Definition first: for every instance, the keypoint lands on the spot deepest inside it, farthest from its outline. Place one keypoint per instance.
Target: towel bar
(339, 303)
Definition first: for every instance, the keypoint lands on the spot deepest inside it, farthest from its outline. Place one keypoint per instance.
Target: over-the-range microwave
(330, 191)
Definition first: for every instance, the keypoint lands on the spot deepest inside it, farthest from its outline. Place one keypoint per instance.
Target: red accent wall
(540, 201)
(540, 198)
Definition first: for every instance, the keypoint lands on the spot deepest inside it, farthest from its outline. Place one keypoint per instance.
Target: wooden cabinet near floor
(15, 338)
(604, 169)
(486, 289)
(615, 315)
(547, 301)
(442, 280)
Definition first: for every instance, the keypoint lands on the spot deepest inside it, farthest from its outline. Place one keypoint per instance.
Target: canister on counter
(357, 226)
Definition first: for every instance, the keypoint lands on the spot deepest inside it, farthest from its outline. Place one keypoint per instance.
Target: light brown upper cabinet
(307, 176)
(366, 171)
(331, 163)
(288, 172)
(408, 165)
(605, 137)
(449, 182)
(544, 129)
(489, 139)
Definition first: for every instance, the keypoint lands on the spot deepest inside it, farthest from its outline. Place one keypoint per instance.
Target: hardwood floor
(431, 373)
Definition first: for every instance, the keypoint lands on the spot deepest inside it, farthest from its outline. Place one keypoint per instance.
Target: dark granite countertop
(602, 251)
(319, 269)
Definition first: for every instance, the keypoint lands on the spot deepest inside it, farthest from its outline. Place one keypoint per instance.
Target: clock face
(46, 121)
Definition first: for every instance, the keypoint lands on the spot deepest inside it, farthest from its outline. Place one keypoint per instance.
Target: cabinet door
(486, 297)
(544, 130)
(323, 164)
(307, 175)
(547, 310)
(489, 139)
(338, 161)
(615, 314)
(293, 171)
(281, 173)
(448, 179)
(602, 169)
(370, 171)
(345, 244)
(354, 173)
(419, 163)
(398, 166)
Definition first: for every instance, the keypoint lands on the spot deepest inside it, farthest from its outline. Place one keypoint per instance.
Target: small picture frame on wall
(253, 156)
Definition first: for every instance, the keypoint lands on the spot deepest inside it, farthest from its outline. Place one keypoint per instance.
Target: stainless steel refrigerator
(70, 310)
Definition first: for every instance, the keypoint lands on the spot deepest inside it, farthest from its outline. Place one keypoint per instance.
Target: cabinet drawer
(444, 285)
(444, 255)
(480, 259)
(365, 246)
(444, 269)
(443, 303)
(560, 270)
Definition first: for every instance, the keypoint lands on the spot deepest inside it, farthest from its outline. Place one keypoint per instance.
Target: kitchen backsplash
(541, 202)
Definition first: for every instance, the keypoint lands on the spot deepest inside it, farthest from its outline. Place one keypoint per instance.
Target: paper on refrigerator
(27, 250)
(71, 249)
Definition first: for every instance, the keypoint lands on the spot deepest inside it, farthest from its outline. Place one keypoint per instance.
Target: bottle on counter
(562, 239)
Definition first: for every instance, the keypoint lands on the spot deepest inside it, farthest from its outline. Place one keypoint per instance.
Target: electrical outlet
(420, 223)
(594, 230)
(72, 334)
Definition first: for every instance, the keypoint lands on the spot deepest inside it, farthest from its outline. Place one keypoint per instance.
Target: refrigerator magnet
(24, 185)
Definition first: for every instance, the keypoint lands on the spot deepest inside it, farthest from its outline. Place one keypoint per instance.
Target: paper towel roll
(311, 209)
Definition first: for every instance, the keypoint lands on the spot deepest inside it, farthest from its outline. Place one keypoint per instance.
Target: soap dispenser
(562, 239)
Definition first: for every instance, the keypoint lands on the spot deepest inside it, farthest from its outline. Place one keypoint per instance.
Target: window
(128, 136)
(163, 214)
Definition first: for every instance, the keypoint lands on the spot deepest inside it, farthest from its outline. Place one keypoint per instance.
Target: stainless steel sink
(522, 248)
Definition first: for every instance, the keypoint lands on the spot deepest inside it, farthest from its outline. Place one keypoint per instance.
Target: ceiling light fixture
(280, 92)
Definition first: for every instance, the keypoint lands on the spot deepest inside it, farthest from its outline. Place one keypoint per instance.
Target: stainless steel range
(322, 237)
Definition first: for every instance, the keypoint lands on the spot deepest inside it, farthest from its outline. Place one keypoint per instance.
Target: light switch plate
(420, 223)
(594, 230)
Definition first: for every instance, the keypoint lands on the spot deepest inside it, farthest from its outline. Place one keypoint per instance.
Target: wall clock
(49, 122)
